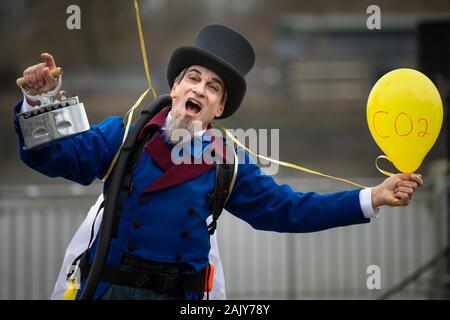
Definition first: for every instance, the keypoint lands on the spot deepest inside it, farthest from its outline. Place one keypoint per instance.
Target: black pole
(434, 61)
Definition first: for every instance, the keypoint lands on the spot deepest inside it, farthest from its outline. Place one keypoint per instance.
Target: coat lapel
(159, 151)
(178, 174)
(157, 121)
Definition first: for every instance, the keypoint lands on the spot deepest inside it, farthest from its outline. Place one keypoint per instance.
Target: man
(162, 227)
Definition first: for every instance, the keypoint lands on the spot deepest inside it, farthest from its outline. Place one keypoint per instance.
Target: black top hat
(223, 50)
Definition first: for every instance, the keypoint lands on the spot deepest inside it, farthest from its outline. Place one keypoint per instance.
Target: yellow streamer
(387, 173)
(143, 50)
(138, 102)
(147, 72)
(287, 164)
(127, 128)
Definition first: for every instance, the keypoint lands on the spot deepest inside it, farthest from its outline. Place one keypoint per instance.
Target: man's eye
(214, 88)
(192, 78)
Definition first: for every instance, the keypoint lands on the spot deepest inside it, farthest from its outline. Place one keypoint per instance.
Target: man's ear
(220, 110)
(173, 91)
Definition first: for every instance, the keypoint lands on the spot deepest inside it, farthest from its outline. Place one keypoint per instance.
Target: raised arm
(80, 158)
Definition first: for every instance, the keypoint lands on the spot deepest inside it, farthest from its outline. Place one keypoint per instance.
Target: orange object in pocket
(209, 278)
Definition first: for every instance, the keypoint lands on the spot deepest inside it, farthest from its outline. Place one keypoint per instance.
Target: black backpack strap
(225, 177)
(116, 180)
(127, 182)
(127, 186)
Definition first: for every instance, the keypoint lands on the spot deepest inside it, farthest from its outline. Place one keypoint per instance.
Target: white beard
(178, 122)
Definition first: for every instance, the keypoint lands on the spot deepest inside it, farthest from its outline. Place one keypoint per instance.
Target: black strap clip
(166, 282)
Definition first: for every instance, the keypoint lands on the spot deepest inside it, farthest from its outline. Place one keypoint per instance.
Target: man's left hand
(396, 190)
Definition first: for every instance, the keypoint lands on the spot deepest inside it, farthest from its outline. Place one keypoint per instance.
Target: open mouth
(192, 107)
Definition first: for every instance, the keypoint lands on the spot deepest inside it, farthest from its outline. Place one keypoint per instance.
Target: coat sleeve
(257, 199)
(80, 158)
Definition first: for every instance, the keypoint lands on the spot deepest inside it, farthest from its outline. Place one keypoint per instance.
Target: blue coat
(164, 216)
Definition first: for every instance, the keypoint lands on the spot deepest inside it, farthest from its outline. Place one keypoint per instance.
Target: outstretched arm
(266, 205)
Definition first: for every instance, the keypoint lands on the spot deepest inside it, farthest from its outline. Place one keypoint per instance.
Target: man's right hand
(38, 78)
(396, 190)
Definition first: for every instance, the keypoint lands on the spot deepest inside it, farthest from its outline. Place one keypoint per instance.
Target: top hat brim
(235, 84)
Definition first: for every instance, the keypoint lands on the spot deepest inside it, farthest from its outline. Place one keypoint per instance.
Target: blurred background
(316, 62)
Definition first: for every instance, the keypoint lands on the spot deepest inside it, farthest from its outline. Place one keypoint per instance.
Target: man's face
(198, 95)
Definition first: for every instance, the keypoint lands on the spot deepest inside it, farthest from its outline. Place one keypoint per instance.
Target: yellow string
(127, 128)
(72, 288)
(143, 50)
(147, 72)
(387, 173)
(138, 101)
(287, 164)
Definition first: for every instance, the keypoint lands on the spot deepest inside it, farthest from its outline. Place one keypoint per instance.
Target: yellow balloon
(404, 114)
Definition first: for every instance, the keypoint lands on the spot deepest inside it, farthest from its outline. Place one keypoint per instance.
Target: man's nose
(199, 90)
